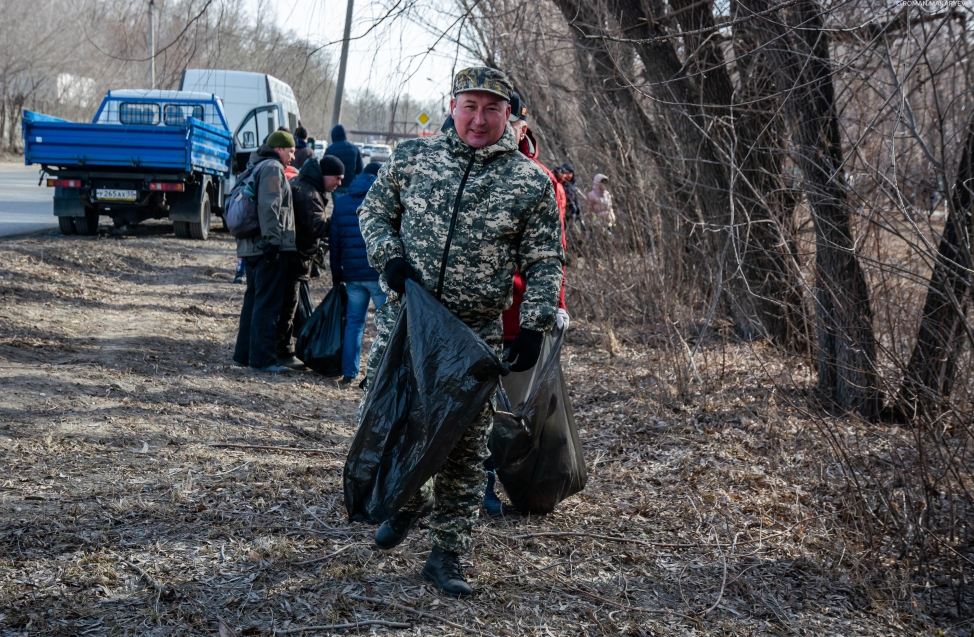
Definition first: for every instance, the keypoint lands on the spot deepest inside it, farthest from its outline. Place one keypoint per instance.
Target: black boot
(442, 569)
(395, 529)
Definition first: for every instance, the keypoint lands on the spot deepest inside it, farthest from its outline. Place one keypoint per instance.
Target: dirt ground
(721, 514)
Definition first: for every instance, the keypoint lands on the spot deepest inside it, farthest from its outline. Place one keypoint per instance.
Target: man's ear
(453, 105)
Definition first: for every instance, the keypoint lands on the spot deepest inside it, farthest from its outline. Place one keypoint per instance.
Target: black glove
(336, 279)
(397, 271)
(525, 350)
(270, 250)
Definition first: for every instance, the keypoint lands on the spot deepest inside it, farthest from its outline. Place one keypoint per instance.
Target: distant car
(380, 152)
(319, 149)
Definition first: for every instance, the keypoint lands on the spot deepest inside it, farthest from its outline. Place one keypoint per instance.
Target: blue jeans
(357, 309)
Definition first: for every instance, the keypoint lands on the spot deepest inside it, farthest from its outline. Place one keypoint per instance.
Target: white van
(256, 105)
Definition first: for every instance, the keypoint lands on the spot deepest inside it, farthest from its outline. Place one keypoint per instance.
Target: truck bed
(197, 146)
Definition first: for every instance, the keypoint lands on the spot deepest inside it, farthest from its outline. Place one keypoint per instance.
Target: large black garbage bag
(305, 307)
(319, 343)
(435, 377)
(536, 451)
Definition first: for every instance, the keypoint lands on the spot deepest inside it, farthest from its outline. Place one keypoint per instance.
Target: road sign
(423, 119)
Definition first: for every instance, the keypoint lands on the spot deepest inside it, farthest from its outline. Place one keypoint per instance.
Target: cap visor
(485, 90)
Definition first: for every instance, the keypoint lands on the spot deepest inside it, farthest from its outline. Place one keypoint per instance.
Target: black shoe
(346, 382)
(237, 363)
(291, 362)
(394, 530)
(442, 569)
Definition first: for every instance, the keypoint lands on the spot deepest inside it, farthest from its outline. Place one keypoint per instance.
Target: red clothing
(512, 315)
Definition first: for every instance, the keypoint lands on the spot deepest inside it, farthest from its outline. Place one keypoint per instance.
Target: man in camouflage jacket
(459, 213)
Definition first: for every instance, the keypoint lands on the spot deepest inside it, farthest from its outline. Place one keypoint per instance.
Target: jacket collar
(311, 171)
(529, 145)
(262, 153)
(361, 184)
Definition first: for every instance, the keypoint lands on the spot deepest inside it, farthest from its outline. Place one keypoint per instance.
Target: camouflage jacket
(507, 219)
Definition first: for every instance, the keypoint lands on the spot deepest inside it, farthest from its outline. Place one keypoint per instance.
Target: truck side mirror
(249, 141)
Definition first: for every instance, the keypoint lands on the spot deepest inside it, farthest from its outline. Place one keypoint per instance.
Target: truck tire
(200, 231)
(181, 228)
(88, 224)
(66, 224)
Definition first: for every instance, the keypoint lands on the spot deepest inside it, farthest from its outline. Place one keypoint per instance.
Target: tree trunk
(763, 192)
(768, 254)
(680, 102)
(621, 112)
(763, 289)
(930, 374)
(846, 343)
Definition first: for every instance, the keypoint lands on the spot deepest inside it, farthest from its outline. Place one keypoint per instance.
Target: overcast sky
(394, 57)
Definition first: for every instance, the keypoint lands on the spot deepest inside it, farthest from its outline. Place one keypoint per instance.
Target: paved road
(24, 206)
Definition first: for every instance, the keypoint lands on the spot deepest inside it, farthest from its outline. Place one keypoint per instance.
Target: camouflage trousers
(458, 487)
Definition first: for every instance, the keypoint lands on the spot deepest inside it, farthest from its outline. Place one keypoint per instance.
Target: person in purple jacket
(350, 265)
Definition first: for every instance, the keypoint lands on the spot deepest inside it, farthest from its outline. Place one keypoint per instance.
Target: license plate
(104, 194)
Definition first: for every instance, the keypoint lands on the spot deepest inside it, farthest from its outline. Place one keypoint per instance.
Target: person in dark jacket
(266, 255)
(350, 265)
(316, 178)
(302, 149)
(573, 210)
(349, 153)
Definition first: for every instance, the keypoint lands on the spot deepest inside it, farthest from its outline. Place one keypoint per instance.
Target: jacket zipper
(453, 225)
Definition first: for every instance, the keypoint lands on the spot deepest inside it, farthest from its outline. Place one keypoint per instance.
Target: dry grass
(712, 508)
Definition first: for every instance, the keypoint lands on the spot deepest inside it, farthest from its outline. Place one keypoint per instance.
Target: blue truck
(147, 154)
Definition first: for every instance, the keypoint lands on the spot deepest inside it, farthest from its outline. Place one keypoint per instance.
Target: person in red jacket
(529, 147)
(512, 316)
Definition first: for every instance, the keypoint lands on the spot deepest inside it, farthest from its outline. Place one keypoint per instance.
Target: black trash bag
(305, 307)
(536, 452)
(319, 343)
(435, 376)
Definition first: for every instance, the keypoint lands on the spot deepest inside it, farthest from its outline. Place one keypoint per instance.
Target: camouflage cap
(483, 78)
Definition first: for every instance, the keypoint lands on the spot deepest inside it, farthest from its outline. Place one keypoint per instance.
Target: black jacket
(348, 152)
(310, 223)
(302, 152)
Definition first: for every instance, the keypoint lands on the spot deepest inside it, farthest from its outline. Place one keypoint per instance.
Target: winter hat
(600, 178)
(332, 166)
(567, 168)
(280, 139)
(372, 168)
(519, 108)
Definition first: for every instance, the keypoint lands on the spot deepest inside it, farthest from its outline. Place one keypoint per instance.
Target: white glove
(562, 319)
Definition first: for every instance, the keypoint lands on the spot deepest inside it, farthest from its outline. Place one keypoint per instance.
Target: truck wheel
(88, 224)
(66, 224)
(200, 231)
(181, 228)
